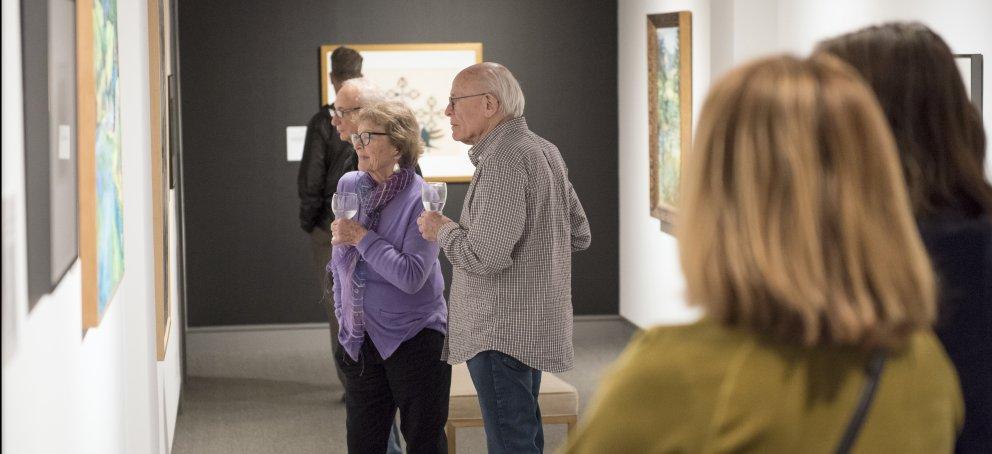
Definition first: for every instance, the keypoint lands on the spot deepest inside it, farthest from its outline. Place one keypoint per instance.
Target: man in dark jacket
(325, 159)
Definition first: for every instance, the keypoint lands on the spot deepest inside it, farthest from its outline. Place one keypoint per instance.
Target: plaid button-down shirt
(511, 250)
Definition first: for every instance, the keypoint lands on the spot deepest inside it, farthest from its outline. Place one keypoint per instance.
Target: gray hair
(494, 78)
(367, 92)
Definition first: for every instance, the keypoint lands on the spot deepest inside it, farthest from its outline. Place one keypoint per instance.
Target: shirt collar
(480, 150)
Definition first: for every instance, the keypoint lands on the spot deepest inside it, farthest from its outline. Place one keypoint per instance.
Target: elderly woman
(942, 149)
(798, 239)
(388, 292)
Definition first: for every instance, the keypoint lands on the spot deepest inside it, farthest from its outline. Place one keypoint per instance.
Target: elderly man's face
(468, 115)
(347, 104)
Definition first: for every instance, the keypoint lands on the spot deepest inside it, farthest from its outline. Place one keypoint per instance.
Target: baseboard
(269, 327)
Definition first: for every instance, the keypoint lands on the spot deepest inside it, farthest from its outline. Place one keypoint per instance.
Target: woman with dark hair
(942, 150)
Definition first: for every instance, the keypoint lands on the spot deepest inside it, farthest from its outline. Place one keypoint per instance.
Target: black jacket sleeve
(313, 169)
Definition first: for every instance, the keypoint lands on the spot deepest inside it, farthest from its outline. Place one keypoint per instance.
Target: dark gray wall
(249, 69)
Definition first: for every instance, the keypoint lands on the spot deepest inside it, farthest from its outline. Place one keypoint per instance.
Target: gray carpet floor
(287, 400)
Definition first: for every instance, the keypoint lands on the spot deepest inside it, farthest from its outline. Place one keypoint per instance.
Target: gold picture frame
(158, 74)
(669, 109)
(421, 75)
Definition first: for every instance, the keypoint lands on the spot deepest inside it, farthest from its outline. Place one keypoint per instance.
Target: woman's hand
(347, 231)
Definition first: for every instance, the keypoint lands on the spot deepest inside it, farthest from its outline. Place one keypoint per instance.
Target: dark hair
(346, 63)
(937, 129)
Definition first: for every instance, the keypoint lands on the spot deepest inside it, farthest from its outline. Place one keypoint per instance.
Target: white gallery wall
(99, 391)
(725, 34)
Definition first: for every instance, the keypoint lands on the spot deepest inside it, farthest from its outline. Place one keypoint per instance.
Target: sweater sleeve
(406, 266)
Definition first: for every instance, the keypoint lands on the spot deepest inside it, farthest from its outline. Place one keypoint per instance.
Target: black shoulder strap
(864, 403)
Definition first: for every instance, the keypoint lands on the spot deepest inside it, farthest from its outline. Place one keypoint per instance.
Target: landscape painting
(669, 109)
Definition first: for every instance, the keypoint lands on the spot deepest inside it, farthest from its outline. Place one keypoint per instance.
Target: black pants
(413, 379)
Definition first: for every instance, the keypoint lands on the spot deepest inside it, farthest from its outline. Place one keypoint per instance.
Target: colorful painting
(669, 124)
(110, 218)
(670, 109)
(101, 207)
(421, 76)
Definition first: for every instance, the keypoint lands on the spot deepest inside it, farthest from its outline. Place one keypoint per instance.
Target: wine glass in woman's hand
(344, 205)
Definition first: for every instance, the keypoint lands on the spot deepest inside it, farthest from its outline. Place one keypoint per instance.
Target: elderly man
(353, 95)
(326, 156)
(510, 311)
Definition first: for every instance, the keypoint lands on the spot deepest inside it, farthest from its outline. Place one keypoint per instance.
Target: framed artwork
(160, 170)
(421, 75)
(669, 109)
(970, 66)
(49, 59)
(101, 214)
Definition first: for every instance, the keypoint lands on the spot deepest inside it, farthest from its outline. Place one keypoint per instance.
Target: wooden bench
(559, 403)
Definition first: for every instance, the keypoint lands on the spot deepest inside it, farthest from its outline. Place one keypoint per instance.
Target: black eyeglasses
(341, 113)
(363, 139)
(451, 100)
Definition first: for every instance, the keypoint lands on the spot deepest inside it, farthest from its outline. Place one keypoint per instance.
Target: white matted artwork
(420, 75)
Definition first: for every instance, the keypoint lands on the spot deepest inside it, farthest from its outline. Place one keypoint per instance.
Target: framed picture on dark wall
(669, 109)
(420, 75)
(970, 66)
(49, 63)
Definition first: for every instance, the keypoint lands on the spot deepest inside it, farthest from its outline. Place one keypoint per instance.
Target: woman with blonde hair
(796, 236)
(389, 292)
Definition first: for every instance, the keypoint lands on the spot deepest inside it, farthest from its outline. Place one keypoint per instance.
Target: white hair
(494, 78)
(366, 91)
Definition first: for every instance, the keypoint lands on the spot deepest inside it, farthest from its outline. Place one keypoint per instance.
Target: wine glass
(434, 195)
(344, 205)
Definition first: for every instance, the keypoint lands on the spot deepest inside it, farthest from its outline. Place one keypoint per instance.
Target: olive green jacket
(707, 388)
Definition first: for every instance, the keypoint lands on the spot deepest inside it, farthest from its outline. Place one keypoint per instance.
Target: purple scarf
(373, 198)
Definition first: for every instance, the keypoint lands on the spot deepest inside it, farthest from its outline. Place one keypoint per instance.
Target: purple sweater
(404, 289)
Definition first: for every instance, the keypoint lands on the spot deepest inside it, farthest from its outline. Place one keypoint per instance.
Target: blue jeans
(508, 391)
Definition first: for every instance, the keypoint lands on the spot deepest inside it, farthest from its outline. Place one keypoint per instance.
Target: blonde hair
(400, 124)
(795, 218)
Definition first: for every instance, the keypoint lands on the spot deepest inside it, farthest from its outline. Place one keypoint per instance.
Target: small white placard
(295, 136)
(65, 142)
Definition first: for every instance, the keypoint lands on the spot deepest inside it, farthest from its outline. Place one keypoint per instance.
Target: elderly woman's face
(376, 154)
(467, 115)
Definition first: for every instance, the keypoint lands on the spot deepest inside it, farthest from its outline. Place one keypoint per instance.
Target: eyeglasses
(341, 113)
(451, 100)
(363, 139)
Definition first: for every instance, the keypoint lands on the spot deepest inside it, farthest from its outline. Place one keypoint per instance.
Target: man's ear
(492, 105)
